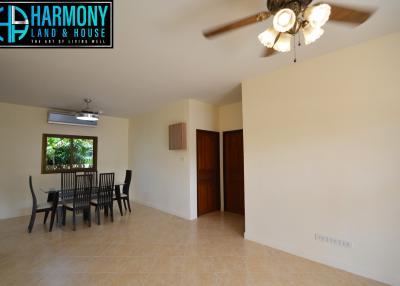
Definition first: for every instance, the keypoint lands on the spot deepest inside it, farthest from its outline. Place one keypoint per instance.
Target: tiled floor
(149, 247)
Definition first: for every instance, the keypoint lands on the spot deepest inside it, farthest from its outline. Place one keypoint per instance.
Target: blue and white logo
(16, 30)
(56, 23)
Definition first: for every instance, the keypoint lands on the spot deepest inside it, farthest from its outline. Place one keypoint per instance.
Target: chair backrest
(105, 190)
(94, 178)
(34, 200)
(82, 192)
(68, 180)
(128, 178)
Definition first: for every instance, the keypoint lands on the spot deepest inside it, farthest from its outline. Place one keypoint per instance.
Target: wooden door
(208, 189)
(233, 171)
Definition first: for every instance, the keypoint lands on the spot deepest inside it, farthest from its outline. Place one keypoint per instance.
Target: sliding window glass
(63, 153)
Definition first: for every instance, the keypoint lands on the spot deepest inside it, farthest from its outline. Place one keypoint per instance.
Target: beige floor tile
(163, 280)
(149, 247)
(234, 279)
(168, 265)
(129, 279)
(138, 265)
(199, 279)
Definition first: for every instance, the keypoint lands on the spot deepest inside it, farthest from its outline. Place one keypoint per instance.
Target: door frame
(224, 164)
(218, 169)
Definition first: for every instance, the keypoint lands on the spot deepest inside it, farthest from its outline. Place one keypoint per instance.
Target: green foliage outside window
(64, 153)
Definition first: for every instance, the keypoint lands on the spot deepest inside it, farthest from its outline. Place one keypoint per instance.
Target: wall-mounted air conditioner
(67, 118)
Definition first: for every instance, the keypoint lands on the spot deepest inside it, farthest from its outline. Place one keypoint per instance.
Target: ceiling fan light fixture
(268, 37)
(311, 34)
(87, 116)
(284, 20)
(284, 43)
(318, 15)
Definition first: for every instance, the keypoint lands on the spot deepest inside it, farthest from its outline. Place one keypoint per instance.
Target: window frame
(71, 137)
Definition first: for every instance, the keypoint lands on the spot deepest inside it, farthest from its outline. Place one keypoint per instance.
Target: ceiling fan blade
(259, 17)
(350, 15)
(268, 52)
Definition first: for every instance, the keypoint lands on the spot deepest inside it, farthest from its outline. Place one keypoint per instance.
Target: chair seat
(68, 205)
(44, 206)
(94, 202)
(122, 196)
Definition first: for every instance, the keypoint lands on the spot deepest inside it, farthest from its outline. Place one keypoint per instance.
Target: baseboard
(154, 206)
(303, 255)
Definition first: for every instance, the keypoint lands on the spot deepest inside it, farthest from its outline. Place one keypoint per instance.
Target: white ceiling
(160, 56)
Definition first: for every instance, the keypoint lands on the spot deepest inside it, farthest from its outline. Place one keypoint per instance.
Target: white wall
(229, 118)
(161, 177)
(21, 150)
(202, 116)
(164, 179)
(322, 155)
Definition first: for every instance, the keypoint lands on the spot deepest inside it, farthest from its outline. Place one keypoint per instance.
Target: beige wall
(202, 116)
(230, 117)
(161, 176)
(322, 155)
(21, 145)
(164, 179)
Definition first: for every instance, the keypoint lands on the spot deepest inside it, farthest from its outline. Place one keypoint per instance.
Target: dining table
(53, 193)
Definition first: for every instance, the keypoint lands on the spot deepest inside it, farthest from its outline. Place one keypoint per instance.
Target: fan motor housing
(296, 5)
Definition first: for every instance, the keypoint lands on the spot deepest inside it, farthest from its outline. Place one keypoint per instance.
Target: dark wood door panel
(233, 171)
(208, 190)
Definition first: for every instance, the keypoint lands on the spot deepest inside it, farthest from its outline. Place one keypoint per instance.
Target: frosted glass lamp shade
(268, 37)
(284, 43)
(318, 15)
(284, 20)
(312, 34)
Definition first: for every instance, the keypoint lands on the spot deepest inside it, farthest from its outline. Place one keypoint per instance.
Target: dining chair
(124, 196)
(104, 198)
(94, 177)
(43, 208)
(81, 199)
(67, 186)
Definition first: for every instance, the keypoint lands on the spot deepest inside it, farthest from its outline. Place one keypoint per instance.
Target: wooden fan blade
(262, 16)
(350, 15)
(268, 52)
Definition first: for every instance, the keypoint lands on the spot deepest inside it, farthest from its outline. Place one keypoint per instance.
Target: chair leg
(53, 214)
(124, 203)
(46, 214)
(90, 217)
(98, 215)
(129, 204)
(64, 214)
(106, 211)
(32, 221)
(112, 212)
(120, 206)
(118, 198)
(73, 221)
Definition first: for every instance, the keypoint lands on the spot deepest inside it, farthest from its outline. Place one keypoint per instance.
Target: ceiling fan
(87, 114)
(290, 17)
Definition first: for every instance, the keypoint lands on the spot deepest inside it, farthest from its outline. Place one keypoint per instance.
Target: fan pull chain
(294, 50)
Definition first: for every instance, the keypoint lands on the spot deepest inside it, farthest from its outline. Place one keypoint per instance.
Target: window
(62, 153)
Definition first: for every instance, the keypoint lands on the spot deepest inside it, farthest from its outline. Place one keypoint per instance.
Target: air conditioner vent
(67, 118)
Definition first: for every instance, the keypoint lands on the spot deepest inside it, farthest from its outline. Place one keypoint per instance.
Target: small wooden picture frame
(177, 136)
